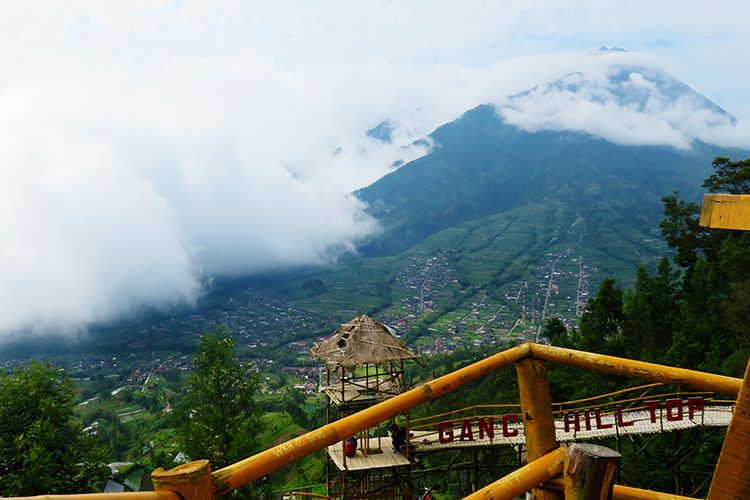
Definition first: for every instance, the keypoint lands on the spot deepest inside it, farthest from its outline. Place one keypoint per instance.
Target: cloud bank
(147, 148)
(125, 188)
(122, 190)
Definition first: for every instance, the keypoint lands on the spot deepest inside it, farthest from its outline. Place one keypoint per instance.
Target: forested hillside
(692, 312)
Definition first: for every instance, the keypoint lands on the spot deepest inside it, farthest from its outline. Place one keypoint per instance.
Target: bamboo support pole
(536, 412)
(524, 479)
(536, 408)
(192, 480)
(732, 476)
(637, 369)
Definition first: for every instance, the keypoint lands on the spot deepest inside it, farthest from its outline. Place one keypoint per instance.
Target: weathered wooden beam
(732, 476)
(589, 472)
(536, 413)
(726, 211)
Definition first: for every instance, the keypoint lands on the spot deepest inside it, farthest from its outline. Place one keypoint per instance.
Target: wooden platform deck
(388, 457)
(359, 392)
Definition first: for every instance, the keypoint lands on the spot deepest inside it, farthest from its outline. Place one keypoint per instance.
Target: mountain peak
(612, 49)
(622, 101)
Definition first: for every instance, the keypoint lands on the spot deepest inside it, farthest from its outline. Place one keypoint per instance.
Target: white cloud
(627, 99)
(146, 146)
(124, 188)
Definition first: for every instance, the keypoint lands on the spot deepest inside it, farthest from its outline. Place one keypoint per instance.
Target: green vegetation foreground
(42, 448)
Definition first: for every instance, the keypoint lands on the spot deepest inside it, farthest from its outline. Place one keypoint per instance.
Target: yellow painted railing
(131, 495)
(196, 481)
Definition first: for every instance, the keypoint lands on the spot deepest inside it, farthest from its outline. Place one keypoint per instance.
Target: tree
(557, 334)
(219, 419)
(601, 323)
(716, 285)
(651, 313)
(42, 448)
(730, 176)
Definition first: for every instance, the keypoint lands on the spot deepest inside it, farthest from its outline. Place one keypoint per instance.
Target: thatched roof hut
(361, 341)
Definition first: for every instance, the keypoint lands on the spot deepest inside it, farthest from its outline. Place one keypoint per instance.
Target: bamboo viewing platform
(362, 391)
(715, 416)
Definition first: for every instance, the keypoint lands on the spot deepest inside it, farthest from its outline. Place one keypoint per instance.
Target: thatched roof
(361, 341)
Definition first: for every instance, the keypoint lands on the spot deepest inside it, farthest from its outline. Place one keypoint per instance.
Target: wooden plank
(388, 457)
(726, 211)
(356, 393)
(732, 476)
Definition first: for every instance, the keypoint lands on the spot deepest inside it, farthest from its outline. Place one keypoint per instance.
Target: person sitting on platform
(398, 436)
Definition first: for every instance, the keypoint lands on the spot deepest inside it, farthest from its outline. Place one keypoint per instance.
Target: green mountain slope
(481, 166)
